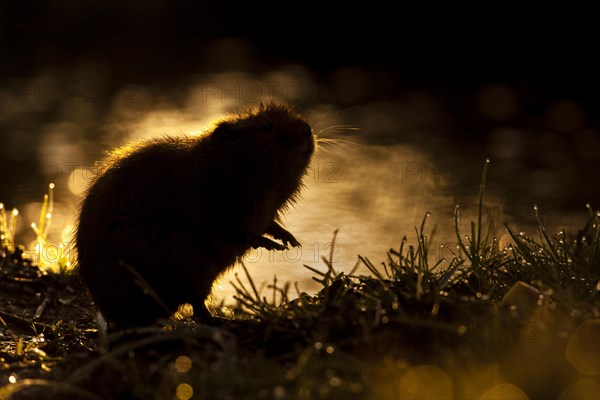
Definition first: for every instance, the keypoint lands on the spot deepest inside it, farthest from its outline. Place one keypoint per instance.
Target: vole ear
(224, 133)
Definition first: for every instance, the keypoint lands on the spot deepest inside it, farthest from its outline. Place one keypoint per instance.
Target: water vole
(166, 216)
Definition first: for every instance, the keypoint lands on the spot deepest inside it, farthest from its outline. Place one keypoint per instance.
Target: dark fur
(172, 214)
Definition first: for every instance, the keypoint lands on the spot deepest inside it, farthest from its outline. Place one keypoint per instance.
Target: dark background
(545, 55)
(551, 50)
(448, 49)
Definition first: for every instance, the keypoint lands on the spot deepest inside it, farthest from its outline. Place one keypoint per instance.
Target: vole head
(273, 135)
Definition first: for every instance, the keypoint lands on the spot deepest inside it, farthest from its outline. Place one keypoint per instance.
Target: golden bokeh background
(421, 115)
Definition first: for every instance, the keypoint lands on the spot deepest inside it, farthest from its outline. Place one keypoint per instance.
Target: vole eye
(267, 126)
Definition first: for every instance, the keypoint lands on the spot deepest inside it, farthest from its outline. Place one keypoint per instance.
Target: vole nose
(307, 132)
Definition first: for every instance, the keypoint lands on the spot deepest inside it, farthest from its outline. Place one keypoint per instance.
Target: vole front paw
(279, 232)
(257, 241)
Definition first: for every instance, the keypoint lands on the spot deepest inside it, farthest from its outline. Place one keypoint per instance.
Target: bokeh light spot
(583, 350)
(184, 391)
(78, 182)
(583, 389)
(497, 102)
(565, 116)
(351, 84)
(504, 391)
(183, 364)
(425, 382)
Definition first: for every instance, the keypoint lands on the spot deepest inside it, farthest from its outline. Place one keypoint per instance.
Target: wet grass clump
(518, 320)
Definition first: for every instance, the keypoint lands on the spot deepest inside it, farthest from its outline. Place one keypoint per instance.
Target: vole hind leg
(204, 316)
(279, 232)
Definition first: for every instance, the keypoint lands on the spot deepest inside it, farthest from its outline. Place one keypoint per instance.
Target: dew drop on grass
(598, 286)
(12, 378)
(318, 345)
(330, 349)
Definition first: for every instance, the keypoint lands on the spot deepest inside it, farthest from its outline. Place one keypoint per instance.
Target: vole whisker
(338, 128)
(338, 142)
